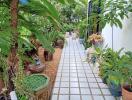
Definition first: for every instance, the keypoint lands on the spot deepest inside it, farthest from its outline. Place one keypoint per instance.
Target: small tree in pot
(59, 41)
(82, 26)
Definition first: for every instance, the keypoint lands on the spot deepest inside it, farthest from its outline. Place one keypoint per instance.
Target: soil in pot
(126, 92)
(115, 89)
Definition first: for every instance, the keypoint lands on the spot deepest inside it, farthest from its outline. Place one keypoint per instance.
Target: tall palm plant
(9, 41)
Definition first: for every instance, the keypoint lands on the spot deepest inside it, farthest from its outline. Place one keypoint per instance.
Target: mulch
(51, 67)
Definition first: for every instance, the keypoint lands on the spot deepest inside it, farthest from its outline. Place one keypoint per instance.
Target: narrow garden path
(75, 79)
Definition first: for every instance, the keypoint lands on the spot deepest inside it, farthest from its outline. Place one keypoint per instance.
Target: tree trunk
(12, 58)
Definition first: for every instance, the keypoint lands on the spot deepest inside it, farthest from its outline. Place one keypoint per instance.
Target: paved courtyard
(76, 79)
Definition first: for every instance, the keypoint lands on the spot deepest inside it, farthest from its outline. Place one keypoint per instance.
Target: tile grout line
(87, 80)
(69, 72)
(61, 73)
(77, 71)
(76, 51)
(97, 81)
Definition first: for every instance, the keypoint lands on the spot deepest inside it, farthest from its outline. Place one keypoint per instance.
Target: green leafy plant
(110, 63)
(12, 20)
(4, 68)
(31, 16)
(127, 70)
(114, 67)
(35, 82)
(82, 26)
(108, 12)
(67, 27)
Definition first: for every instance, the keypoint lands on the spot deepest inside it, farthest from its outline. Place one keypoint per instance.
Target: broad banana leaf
(41, 8)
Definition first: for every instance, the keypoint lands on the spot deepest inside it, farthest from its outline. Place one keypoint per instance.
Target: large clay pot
(127, 95)
(1, 82)
(60, 43)
(48, 56)
(41, 55)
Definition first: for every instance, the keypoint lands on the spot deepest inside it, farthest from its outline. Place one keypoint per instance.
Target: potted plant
(47, 41)
(82, 26)
(60, 39)
(110, 70)
(127, 92)
(96, 39)
(32, 63)
(114, 81)
(48, 55)
(32, 87)
(102, 56)
(60, 43)
(127, 87)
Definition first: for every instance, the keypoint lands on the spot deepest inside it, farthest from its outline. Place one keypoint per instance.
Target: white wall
(122, 37)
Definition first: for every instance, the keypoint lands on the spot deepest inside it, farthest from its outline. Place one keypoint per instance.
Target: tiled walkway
(75, 79)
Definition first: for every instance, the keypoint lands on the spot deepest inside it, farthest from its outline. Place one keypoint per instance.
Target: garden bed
(51, 67)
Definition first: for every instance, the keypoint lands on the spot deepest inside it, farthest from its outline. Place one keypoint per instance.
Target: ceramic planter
(13, 95)
(2, 97)
(36, 68)
(115, 89)
(104, 79)
(98, 44)
(127, 95)
(81, 40)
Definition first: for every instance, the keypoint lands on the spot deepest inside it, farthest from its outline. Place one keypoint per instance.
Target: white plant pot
(13, 95)
(81, 41)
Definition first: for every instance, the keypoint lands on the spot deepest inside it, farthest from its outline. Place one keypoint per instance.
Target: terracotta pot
(48, 56)
(127, 95)
(60, 43)
(1, 82)
(41, 54)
